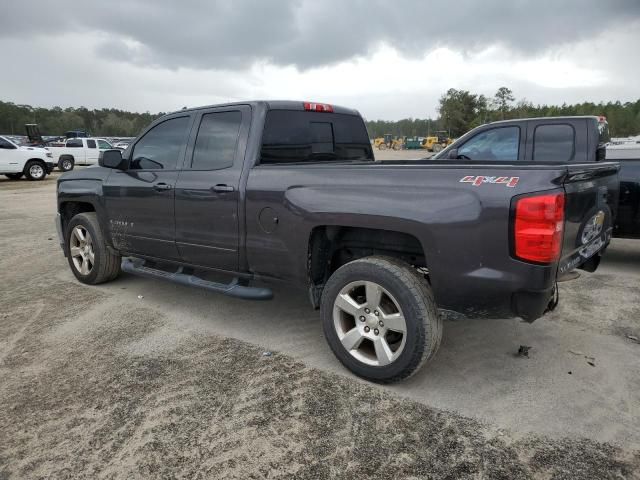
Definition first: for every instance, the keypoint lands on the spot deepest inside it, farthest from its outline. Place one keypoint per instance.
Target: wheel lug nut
(376, 313)
(362, 319)
(366, 310)
(376, 331)
(366, 329)
(381, 323)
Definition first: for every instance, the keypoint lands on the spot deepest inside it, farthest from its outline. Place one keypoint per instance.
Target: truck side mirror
(111, 159)
(453, 154)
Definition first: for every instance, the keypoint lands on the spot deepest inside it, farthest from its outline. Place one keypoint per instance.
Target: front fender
(83, 187)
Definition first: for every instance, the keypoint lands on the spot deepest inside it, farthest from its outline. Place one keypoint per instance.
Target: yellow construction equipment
(437, 142)
(388, 142)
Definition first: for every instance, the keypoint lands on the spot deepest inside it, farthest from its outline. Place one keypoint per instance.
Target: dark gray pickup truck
(577, 139)
(290, 192)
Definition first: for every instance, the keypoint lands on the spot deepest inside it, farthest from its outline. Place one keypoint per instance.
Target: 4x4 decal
(479, 180)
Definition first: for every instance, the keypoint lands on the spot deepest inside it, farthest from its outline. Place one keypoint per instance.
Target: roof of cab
(272, 105)
(565, 117)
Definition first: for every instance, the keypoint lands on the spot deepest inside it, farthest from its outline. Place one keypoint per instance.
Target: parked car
(289, 192)
(35, 163)
(122, 145)
(78, 151)
(560, 139)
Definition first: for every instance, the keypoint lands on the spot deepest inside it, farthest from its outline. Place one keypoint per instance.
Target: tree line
(458, 112)
(108, 122)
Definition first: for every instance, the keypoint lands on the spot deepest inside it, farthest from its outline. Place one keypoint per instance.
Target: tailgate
(590, 207)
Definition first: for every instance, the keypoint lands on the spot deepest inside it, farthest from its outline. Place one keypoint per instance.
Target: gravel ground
(98, 383)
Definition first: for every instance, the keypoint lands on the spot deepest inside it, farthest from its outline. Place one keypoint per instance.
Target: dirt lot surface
(144, 379)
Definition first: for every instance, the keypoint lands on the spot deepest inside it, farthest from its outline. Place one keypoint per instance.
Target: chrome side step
(234, 289)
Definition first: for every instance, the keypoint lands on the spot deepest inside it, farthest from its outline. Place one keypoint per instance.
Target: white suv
(35, 163)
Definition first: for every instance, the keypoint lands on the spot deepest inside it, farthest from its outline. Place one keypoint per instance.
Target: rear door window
(299, 136)
(216, 141)
(91, 144)
(554, 143)
(500, 144)
(74, 143)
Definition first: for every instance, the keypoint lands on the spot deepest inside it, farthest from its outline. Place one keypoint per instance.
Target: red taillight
(538, 228)
(318, 107)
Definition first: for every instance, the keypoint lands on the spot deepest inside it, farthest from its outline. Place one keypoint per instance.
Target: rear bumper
(532, 305)
(526, 291)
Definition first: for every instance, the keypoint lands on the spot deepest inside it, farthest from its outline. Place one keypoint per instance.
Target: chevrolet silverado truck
(572, 139)
(289, 192)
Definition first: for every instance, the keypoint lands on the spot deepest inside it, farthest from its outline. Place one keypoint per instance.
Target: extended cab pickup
(576, 139)
(290, 192)
(78, 151)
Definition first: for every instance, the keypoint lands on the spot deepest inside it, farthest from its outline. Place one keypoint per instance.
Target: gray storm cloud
(231, 35)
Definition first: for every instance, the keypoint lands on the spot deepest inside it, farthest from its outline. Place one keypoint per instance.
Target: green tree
(460, 110)
(502, 100)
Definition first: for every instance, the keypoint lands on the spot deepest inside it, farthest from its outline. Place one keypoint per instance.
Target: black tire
(382, 146)
(415, 299)
(35, 170)
(437, 148)
(14, 176)
(66, 163)
(107, 264)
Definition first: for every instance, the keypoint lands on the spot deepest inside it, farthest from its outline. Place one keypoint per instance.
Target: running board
(233, 289)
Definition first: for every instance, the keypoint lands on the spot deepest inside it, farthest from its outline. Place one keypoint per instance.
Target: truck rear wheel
(35, 170)
(437, 147)
(380, 319)
(66, 163)
(89, 258)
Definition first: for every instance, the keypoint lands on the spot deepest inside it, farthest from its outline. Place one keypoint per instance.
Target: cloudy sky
(389, 59)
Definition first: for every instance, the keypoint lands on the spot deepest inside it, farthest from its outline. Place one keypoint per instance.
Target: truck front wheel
(35, 170)
(89, 258)
(380, 319)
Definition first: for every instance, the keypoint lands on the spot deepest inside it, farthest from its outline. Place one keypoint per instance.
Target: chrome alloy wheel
(36, 171)
(81, 250)
(369, 323)
(66, 164)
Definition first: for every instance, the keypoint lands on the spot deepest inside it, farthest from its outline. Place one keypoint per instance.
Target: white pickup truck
(17, 160)
(78, 151)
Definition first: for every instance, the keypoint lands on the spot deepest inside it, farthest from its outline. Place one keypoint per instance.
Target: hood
(33, 132)
(37, 149)
(92, 173)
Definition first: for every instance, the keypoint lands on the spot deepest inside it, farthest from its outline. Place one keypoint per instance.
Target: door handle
(160, 187)
(222, 188)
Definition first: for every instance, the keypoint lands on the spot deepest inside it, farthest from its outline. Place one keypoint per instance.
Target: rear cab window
(292, 136)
